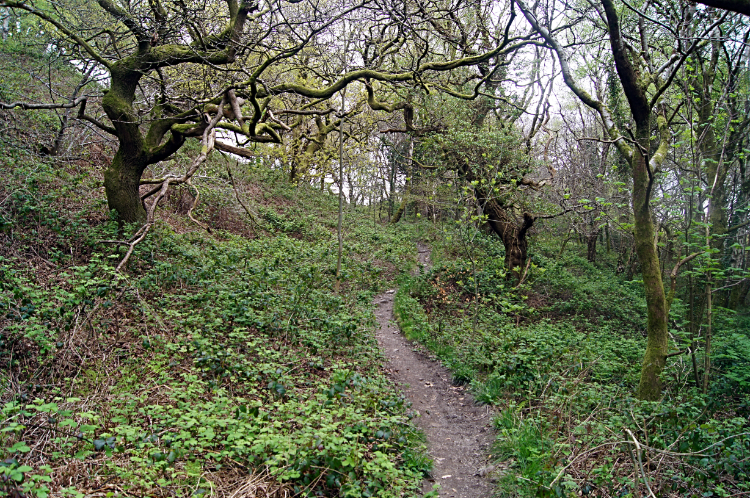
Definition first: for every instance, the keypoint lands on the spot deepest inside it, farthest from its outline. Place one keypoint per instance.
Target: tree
(475, 132)
(173, 67)
(644, 80)
(718, 122)
(739, 6)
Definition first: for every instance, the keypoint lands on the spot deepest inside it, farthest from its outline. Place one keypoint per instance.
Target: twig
(697, 453)
(252, 214)
(525, 273)
(738, 282)
(66, 433)
(678, 353)
(562, 471)
(640, 462)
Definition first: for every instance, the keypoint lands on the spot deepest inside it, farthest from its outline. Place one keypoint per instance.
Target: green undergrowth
(24, 63)
(560, 357)
(211, 359)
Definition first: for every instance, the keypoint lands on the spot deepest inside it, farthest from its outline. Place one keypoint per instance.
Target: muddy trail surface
(459, 434)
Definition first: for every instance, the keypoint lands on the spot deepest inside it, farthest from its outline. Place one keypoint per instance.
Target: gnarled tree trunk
(513, 234)
(122, 177)
(121, 183)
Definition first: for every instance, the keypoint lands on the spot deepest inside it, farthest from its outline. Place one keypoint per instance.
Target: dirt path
(458, 431)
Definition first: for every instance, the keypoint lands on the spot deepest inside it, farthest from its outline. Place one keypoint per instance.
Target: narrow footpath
(458, 431)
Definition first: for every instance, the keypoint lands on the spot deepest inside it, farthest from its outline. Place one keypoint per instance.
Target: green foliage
(563, 374)
(732, 361)
(523, 440)
(491, 161)
(24, 57)
(212, 355)
(573, 286)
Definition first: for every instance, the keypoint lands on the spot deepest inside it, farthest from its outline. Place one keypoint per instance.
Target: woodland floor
(458, 431)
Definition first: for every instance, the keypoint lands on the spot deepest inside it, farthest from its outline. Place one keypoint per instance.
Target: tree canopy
(459, 87)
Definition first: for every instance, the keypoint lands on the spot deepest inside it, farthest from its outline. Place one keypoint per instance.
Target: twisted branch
(208, 140)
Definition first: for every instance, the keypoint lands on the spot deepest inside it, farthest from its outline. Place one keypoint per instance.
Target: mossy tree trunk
(122, 177)
(654, 360)
(310, 148)
(136, 151)
(402, 206)
(142, 144)
(643, 169)
(122, 181)
(635, 78)
(408, 186)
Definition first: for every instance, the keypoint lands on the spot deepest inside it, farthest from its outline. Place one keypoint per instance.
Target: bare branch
(60, 27)
(673, 276)
(26, 105)
(252, 214)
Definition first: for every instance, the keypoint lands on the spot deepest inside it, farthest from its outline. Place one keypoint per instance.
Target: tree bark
(122, 182)
(608, 240)
(401, 208)
(591, 246)
(407, 188)
(654, 360)
(512, 234)
(634, 85)
(6, 13)
(122, 177)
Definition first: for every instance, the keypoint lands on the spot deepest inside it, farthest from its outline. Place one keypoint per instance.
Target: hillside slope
(215, 363)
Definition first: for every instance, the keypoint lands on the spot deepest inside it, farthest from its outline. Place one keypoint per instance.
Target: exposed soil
(458, 430)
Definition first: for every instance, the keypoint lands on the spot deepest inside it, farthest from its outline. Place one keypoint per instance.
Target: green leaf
(20, 447)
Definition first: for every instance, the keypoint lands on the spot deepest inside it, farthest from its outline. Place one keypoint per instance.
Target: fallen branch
(195, 203)
(640, 462)
(700, 453)
(562, 471)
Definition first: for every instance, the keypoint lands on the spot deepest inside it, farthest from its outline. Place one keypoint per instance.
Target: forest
(207, 210)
